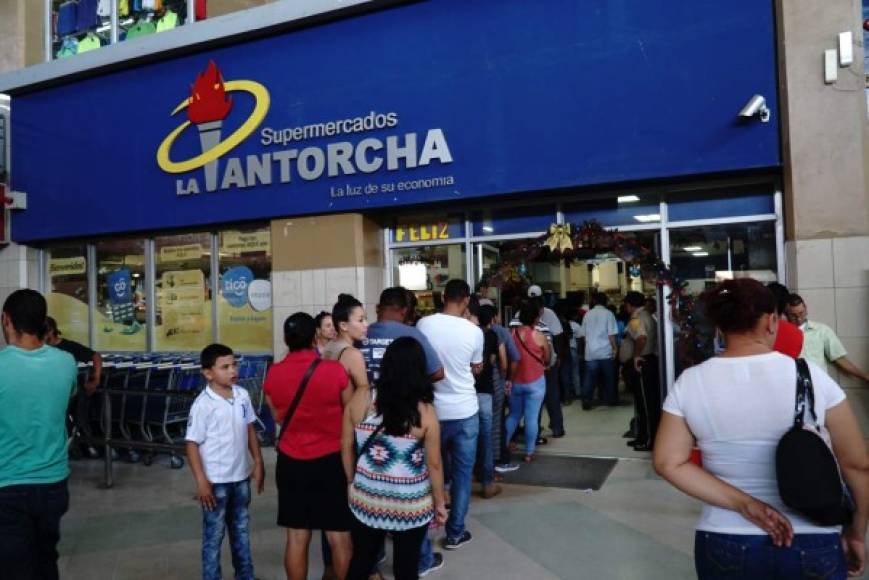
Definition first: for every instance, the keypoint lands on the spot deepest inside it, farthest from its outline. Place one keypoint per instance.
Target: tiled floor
(147, 526)
(635, 527)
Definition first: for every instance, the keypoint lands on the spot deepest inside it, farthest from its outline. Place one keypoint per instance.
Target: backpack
(809, 479)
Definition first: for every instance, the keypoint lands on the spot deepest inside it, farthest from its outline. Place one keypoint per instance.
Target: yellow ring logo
(260, 94)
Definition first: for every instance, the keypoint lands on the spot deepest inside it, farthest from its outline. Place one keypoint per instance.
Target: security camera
(755, 107)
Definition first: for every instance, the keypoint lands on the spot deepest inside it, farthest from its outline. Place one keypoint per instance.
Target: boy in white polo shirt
(220, 434)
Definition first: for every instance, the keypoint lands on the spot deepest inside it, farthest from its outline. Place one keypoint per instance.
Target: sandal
(529, 458)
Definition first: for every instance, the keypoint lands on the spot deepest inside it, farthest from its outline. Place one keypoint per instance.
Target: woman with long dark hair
(392, 457)
(351, 326)
(737, 406)
(312, 490)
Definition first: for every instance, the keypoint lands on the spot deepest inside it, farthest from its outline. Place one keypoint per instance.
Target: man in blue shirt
(36, 382)
(393, 309)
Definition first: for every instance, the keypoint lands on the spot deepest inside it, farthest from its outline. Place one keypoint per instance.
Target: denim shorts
(754, 557)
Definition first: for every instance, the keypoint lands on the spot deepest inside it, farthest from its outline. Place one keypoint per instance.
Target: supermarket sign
(210, 104)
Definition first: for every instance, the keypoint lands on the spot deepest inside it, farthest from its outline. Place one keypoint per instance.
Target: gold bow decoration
(559, 239)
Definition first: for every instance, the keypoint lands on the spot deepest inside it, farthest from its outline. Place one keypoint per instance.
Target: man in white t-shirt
(599, 330)
(459, 344)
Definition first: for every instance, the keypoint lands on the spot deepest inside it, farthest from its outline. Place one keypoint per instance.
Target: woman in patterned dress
(392, 459)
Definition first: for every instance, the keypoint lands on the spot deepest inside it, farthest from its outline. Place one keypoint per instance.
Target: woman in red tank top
(529, 382)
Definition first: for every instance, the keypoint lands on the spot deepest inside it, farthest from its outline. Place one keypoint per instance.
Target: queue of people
(385, 426)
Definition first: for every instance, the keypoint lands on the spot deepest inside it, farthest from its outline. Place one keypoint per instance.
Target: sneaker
(506, 467)
(456, 543)
(437, 564)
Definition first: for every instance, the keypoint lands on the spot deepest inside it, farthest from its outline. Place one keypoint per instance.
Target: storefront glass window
(721, 204)
(703, 257)
(516, 220)
(183, 292)
(244, 305)
(120, 316)
(138, 18)
(68, 290)
(627, 210)
(428, 228)
(79, 27)
(426, 270)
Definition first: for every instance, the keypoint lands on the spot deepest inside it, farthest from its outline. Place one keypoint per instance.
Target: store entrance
(569, 290)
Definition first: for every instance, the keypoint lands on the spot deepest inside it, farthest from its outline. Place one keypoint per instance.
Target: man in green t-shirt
(36, 382)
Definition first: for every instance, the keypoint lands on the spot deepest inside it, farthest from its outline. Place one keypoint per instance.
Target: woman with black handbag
(308, 395)
(737, 406)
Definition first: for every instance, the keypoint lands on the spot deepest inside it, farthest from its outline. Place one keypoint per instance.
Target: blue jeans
(525, 401)
(605, 367)
(723, 556)
(426, 555)
(231, 513)
(574, 372)
(459, 448)
(485, 450)
(30, 529)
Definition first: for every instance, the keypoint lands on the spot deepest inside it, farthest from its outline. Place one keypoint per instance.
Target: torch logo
(207, 107)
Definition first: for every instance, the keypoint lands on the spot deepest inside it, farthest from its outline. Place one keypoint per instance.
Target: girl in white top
(737, 406)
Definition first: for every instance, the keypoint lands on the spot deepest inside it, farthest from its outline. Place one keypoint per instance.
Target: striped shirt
(391, 489)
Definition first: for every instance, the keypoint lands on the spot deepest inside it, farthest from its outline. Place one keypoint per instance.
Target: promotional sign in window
(183, 270)
(68, 295)
(244, 305)
(120, 314)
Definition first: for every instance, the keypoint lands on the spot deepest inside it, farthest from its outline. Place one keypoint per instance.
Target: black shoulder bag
(809, 479)
(298, 398)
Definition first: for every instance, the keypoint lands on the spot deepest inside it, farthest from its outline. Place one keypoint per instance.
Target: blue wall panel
(528, 96)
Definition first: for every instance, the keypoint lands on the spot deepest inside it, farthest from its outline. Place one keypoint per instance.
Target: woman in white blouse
(736, 406)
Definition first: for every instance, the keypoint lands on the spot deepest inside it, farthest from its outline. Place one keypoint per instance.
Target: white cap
(534, 290)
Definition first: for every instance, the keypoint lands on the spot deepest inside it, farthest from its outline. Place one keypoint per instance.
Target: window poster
(244, 305)
(68, 291)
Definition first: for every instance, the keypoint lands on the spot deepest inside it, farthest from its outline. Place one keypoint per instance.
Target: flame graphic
(208, 100)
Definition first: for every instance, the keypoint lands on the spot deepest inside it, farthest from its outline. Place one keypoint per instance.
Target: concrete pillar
(826, 180)
(19, 268)
(316, 258)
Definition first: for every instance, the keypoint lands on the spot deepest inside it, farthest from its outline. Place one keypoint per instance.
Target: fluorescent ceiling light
(628, 198)
(692, 248)
(651, 217)
(700, 254)
(488, 229)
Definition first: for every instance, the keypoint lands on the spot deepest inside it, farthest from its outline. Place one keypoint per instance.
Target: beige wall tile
(851, 261)
(313, 286)
(339, 281)
(814, 263)
(374, 284)
(287, 288)
(821, 303)
(858, 353)
(852, 312)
